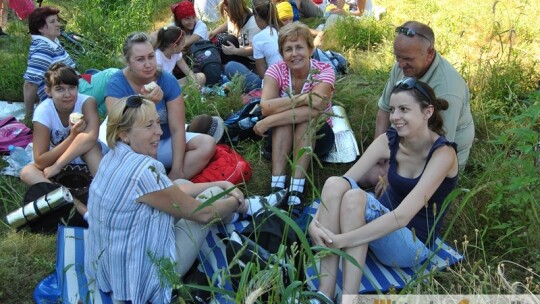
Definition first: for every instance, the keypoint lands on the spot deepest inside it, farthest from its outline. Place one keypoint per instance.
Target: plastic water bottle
(247, 123)
(18, 155)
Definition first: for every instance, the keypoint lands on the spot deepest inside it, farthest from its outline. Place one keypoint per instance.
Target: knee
(25, 174)
(201, 78)
(231, 68)
(353, 203)
(207, 146)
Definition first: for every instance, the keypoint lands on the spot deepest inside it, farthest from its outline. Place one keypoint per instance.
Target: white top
(167, 64)
(200, 29)
(46, 115)
(250, 28)
(265, 45)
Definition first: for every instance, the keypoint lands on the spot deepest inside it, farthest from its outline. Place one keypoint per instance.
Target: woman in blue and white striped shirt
(141, 222)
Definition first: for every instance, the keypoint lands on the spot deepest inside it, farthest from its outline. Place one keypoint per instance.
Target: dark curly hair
(37, 18)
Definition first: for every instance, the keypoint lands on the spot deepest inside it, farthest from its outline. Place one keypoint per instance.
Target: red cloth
(183, 10)
(22, 8)
(87, 77)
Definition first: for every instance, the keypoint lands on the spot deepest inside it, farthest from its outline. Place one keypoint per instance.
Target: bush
(357, 34)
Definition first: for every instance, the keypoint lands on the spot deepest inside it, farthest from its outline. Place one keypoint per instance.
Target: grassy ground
(494, 44)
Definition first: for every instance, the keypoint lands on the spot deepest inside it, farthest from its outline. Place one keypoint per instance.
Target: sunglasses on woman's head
(409, 32)
(410, 83)
(133, 101)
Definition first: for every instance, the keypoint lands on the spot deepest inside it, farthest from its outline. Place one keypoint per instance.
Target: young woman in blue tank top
(400, 224)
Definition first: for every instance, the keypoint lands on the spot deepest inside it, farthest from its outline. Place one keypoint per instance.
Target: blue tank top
(399, 187)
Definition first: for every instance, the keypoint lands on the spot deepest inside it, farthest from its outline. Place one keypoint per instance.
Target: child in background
(265, 46)
(169, 46)
(60, 137)
(265, 43)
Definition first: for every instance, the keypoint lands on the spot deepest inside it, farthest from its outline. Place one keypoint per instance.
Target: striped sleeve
(325, 73)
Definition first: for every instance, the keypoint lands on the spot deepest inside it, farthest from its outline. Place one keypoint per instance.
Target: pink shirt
(320, 71)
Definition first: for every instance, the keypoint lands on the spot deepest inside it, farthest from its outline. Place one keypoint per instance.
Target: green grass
(494, 218)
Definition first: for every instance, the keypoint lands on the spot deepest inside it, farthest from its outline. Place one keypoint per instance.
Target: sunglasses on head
(409, 32)
(133, 101)
(410, 83)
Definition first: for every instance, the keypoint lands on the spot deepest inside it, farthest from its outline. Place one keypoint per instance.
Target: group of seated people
(142, 207)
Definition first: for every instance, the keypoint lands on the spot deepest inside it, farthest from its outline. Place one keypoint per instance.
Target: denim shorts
(399, 248)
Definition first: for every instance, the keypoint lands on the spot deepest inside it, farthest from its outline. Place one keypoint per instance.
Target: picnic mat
(69, 284)
(12, 108)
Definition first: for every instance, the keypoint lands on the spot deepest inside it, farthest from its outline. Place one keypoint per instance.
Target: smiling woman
(57, 141)
(296, 92)
(183, 153)
(423, 171)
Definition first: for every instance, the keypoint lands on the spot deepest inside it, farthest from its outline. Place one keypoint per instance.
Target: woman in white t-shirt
(61, 138)
(185, 18)
(168, 46)
(265, 46)
(241, 27)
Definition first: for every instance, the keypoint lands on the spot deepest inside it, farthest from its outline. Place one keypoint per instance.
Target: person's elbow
(266, 109)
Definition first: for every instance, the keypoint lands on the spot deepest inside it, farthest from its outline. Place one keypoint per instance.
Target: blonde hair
(294, 31)
(122, 118)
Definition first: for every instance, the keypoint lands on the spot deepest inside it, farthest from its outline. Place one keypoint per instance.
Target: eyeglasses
(133, 101)
(409, 32)
(410, 83)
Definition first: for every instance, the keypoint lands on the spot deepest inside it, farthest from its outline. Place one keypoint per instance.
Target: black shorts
(323, 144)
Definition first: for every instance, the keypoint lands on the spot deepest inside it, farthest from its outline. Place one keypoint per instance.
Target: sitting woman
(45, 49)
(265, 46)
(241, 27)
(140, 221)
(60, 140)
(168, 47)
(400, 225)
(296, 92)
(184, 17)
(184, 154)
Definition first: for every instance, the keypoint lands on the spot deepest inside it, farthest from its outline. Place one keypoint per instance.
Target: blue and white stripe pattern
(44, 52)
(377, 277)
(127, 239)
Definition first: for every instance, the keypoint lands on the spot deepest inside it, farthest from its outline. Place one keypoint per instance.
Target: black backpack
(207, 60)
(240, 124)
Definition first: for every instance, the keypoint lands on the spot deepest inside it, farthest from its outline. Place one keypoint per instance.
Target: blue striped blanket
(69, 284)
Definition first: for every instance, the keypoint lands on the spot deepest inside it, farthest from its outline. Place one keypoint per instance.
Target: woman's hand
(320, 235)
(51, 171)
(156, 95)
(260, 128)
(229, 48)
(176, 174)
(77, 128)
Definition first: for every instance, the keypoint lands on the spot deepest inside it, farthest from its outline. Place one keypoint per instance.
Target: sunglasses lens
(132, 102)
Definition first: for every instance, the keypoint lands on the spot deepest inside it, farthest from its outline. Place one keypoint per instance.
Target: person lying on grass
(59, 140)
(139, 219)
(403, 222)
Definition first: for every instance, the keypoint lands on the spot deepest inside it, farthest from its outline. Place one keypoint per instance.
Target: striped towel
(69, 284)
